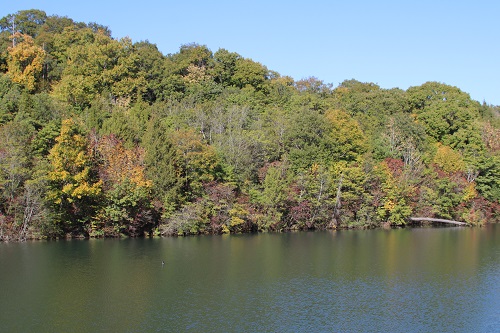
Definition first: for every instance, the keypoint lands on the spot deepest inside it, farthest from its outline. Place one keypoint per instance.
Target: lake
(412, 280)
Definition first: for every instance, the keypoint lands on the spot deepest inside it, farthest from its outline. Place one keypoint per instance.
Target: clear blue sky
(390, 43)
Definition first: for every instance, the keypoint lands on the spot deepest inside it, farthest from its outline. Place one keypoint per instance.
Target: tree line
(107, 138)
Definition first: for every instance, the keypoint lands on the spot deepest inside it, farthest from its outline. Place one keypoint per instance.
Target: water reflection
(424, 279)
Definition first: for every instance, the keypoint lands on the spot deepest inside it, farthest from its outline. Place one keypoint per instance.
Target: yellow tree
(199, 163)
(395, 206)
(94, 62)
(25, 61)
(73, 186)
(345, 140)
(448, 159)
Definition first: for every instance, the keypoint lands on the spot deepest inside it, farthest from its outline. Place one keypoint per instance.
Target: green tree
(303, 140)
(15, 165)
(402, 138)
(149, 64)
(488, 179)
(224, 66)
(27, 22)
(10, 94)
(230, 133)
(447, 113)
(324, 139)
(274, 194)
(163, 166)
(249, 72)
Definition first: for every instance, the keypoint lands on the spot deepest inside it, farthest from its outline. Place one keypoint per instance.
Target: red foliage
(301, 213)
(490, 211)
(218, 192)
(395, 165)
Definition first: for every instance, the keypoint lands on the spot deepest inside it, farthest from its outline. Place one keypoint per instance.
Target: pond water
(411, 280)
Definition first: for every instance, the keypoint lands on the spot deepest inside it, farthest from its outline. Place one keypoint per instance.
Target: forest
(102, 137)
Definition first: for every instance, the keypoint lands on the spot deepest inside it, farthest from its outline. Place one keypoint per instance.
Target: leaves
(107, 137)
(448, 159)
(73, 186)
(25, 61)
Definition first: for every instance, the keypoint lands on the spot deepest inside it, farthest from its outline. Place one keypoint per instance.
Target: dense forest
(109, 138)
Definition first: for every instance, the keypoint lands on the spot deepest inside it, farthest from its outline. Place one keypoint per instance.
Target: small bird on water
(162, 263)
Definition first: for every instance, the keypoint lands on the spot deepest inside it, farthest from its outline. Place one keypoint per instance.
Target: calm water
(420, 280)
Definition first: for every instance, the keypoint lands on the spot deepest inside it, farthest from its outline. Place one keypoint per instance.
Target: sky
(395, 44)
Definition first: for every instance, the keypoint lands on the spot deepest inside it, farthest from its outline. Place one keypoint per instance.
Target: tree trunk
(430, 219)
(336, 209)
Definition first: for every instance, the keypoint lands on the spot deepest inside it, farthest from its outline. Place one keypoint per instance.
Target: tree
(198, 162)
(303, 140)
(447, 113)
(149, 62)
(488, 179)
(27, 22)
(394, 207)
(163, 166)
(229, 132)
(345, 139)
(311, 198)
(15, 166)
(127, 208)
(324, 139)
(10, 94)
(249, 72)
(94, 64)
(351, 194)
(448, 159)
(491, 137)
(224, 66)
(402, 138)
(74, 189)
(25, 61)
(276, 179)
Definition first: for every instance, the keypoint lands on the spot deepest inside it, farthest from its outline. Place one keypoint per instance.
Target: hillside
(107, 138)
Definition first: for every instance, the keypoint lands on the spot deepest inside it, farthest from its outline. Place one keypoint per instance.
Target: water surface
(412, 280)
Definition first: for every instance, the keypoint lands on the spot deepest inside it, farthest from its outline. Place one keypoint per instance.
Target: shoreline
(414, 224)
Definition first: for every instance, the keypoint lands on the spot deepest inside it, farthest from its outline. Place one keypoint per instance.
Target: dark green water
(420, 280)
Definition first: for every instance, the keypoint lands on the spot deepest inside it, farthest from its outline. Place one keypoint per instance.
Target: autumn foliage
(102, 137)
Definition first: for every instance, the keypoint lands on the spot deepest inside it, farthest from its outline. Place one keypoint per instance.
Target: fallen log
(430, 219)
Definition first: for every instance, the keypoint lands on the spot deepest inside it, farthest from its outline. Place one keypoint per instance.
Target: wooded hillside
(102, 138)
